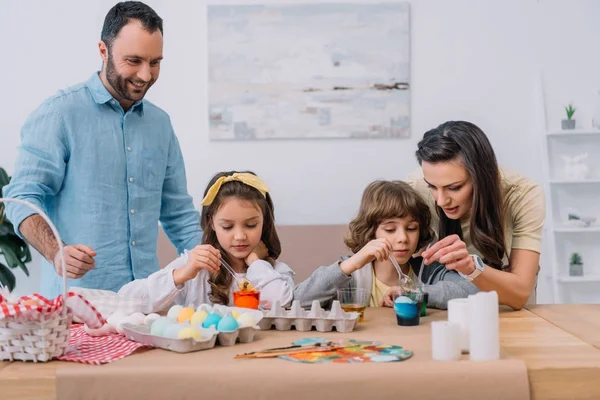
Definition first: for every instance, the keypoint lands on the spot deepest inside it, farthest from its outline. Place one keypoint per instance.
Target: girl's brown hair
(384, 200)
(221, 281)
(460, 140)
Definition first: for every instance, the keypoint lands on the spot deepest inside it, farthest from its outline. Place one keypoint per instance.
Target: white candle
(484, 331)
(458, 313)
(445, 341)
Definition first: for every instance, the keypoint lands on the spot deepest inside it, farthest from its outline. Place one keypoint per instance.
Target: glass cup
(425, 301)
(246, 299)
(354, 300)
(408, 305)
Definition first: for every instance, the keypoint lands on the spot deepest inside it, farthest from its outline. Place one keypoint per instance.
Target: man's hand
(79, 259)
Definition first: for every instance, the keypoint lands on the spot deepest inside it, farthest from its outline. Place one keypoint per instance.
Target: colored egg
(235, 314)
(158, 326)
(227, 324)
(174, 312)
(246, 319)
(198, 317)
(205, 307)
(189, 332)
(403, 299)
(172, 331)
(211, 319)
(137, 318)
(150, 318)
(185, 314)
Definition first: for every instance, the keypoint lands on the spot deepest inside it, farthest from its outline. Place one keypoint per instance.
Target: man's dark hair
(122, 13)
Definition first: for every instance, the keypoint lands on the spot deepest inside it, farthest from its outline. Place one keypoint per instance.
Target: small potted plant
(576, 265)
(569, 123)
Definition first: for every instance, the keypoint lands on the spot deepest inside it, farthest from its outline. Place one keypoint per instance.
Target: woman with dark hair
(489, 220)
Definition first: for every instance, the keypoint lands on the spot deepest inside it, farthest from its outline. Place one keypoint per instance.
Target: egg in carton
(185, 330)
(303, 320)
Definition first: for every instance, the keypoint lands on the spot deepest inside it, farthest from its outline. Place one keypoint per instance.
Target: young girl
(239, 227)
(393, 221)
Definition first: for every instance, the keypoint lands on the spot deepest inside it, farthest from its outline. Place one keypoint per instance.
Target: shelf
(575, 229)
(575, 132)
(572, 182)
(579, 279)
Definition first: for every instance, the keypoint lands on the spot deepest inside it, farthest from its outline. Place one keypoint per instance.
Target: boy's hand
(390, 296)
(201, 257)
(376, 249)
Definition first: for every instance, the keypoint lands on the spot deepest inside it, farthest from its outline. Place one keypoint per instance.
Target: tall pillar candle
(484, 331)
(458, 313)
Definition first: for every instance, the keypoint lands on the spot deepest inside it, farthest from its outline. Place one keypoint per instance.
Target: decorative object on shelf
(576, 265)
(15, 251)
(596, 115)
(577, 219)
(569, 123)
(575, 168)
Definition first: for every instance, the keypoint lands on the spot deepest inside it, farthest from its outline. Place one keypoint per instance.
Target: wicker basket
(42, 338)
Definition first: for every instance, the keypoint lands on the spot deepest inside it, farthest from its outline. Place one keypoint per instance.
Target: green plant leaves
(15, 251)
(7, 277)
(4, 178)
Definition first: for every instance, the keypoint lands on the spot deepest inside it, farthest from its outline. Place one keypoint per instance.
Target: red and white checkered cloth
(32, 308)
(97, 349)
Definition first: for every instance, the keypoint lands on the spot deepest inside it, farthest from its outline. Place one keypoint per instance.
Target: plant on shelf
(569, 123)
(576, 265)
(13, 249)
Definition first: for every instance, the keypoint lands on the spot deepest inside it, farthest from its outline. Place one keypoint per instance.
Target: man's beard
(119, 83)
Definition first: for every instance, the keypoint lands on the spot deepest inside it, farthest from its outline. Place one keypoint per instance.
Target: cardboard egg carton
(303, 320)
(209, 336)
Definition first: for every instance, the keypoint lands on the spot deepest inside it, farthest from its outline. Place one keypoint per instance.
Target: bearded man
(105, 165)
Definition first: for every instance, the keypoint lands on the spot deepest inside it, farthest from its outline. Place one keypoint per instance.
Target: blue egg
(403, 299)
(212, 319)
(406, 310)
(171, 331)
(227, 324)
(158, 326)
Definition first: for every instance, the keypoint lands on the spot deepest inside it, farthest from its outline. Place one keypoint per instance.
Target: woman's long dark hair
(464, 141)
(221, 281)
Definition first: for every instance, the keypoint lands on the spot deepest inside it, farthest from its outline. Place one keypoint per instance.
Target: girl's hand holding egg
(201, 257)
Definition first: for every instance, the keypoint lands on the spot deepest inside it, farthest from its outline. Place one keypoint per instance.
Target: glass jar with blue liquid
(407, 306)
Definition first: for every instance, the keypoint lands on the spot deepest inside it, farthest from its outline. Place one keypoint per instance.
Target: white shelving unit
(564, 195)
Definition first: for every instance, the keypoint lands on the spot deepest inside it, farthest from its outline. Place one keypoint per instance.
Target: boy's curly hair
(383, 200)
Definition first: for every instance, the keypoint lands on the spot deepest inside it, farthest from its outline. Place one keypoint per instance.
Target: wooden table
(580, 320)
(560, 364)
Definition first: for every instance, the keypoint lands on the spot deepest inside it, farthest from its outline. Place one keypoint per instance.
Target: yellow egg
(235, 314)
(185, 314)
(198, 317)
(189, 332)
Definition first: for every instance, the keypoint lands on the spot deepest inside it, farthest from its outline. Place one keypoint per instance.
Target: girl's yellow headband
(244, 177)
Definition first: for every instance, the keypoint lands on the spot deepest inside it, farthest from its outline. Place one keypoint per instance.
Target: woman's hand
(376, 249)
(452, 252)
(201, 257)
(260, 252)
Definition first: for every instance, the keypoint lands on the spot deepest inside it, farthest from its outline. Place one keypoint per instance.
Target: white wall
(471, 59)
